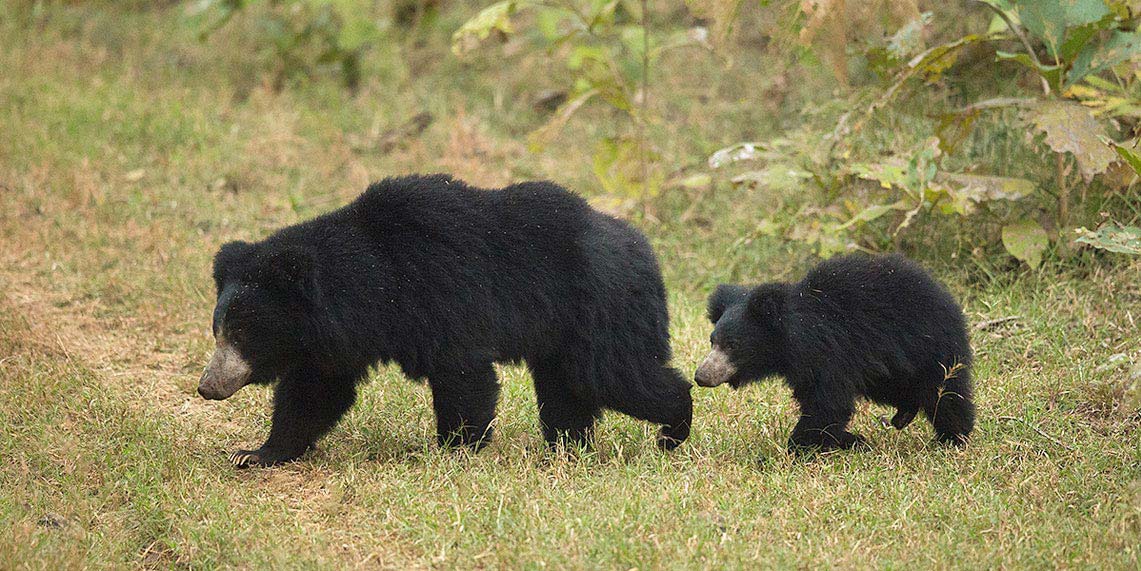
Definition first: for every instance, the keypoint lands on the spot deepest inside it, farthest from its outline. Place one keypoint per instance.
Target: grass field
(129, 152)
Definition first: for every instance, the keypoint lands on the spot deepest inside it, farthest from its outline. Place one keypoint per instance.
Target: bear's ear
(293, 270)
(767, 301)
(227, 259)
(724, 296)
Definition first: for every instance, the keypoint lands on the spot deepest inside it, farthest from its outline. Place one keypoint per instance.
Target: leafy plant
(1083, 55)
(1113, 237)
(608, 49)
(302, 34)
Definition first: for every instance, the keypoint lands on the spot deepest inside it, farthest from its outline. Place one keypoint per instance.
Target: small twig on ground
(1039, 431)
(991, 323)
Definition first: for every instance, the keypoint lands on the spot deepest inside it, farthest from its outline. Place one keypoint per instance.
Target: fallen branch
(991, 323)
(1039, 431)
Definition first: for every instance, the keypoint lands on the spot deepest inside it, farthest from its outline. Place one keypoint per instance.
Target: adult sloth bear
(445, 279)
(877, 327)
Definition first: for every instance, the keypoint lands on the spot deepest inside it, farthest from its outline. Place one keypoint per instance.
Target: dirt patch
(119, 350)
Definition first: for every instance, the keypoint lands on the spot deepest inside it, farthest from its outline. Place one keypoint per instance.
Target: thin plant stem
(1017, 31)
(1063, 191)
(642, 141)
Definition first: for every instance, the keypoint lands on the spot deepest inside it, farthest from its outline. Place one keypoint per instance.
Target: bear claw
(245, 459)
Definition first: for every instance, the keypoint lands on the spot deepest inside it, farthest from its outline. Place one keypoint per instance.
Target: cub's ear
(724, 296)
(293, 270)
(229, 256)
(767, 301)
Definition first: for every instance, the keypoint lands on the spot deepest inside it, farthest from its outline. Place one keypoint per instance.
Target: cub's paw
(825, 442)
(670, 438)
(465, 438)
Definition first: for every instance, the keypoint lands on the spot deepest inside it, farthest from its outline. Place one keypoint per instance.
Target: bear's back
(865, 285)
(885, 311)
(440, 207)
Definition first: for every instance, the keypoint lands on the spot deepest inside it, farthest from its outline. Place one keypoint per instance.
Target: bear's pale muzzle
(715, 369)
(225, 374)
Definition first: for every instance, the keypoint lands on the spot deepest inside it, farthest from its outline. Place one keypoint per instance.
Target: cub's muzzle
(225, 374)
(715, 369)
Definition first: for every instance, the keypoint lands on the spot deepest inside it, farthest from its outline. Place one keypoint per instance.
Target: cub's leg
(824, 415)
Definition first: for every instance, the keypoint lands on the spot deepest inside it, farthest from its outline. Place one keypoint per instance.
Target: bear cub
(857, 326)
(444, 280)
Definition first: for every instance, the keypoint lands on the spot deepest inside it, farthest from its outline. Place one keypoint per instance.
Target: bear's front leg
(464, 401)
(304, 409)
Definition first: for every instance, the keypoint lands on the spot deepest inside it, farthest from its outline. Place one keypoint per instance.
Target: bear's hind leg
(904, 416)
(303, 411)
(465, 405)
(563, 414)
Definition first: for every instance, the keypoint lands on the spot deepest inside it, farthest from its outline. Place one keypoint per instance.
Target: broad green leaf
(889, 174)
(967, 191)
(1049, 20)
(495, 17)
(933, 61)
(776, 177)
(1097, 57)
(1132, 158)
(1025, 240)
(1070, 128)
(596, 70)
(1114, 238)
(873, 212)
(997, 24)
(580, 55)
(1077, 38)
(1045, 19)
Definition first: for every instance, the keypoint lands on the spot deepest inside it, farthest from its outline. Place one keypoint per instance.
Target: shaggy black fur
(877, 327)
(445, 279)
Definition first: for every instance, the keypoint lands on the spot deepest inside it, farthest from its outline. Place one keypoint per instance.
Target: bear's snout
(715, 369)
(225, 374)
